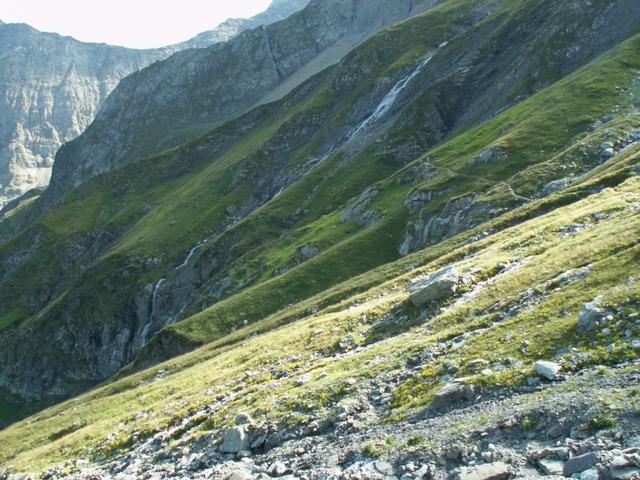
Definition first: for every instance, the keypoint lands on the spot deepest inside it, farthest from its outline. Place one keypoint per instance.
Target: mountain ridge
(49, 102)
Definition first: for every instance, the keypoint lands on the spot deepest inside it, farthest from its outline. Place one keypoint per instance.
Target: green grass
(78, 427)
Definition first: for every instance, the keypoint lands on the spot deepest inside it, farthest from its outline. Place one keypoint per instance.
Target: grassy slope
(609, 245)
(154, 211)
(534, 234)
(536, 134)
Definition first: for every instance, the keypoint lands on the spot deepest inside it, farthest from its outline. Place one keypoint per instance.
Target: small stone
(548, 370)
(309, 251)
(629, 473)
(591, 316)
(258, 442)
(489, 471)
(451, 394)
(619, 462)
(551, 467)
(633, 442)
(278, 469)
(580, 464)
(304, 379)
(533, 382)
(243, 454)
(423, 472)
(555, 186)
(556, 430)
(240, 475)
(608, 153)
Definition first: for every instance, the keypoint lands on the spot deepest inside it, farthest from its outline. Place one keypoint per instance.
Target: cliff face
(51, 88)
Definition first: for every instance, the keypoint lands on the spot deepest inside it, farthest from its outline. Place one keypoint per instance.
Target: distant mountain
(51, 88)
(194, 90)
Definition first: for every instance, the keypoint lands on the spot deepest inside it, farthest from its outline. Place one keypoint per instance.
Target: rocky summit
(346, 239)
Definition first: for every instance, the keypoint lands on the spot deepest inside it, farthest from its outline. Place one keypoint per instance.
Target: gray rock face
(359, 210)
(51, 89)
(457, 215)
(53, 86)
(439, 286)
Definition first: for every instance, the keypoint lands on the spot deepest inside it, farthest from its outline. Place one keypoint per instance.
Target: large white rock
(439, 286)
(548, 370)
(234, 440)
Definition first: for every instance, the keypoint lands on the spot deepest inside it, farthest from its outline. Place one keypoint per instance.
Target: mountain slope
(340, 373)
(165, 237)
(53, 86)
(29, 294)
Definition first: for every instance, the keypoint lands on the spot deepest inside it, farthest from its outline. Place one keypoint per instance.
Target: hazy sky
(131, 23)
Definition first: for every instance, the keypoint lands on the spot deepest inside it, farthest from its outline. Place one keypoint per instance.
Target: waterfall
(191, 253)
(152, 311)
(154, 297)
(389, 99)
